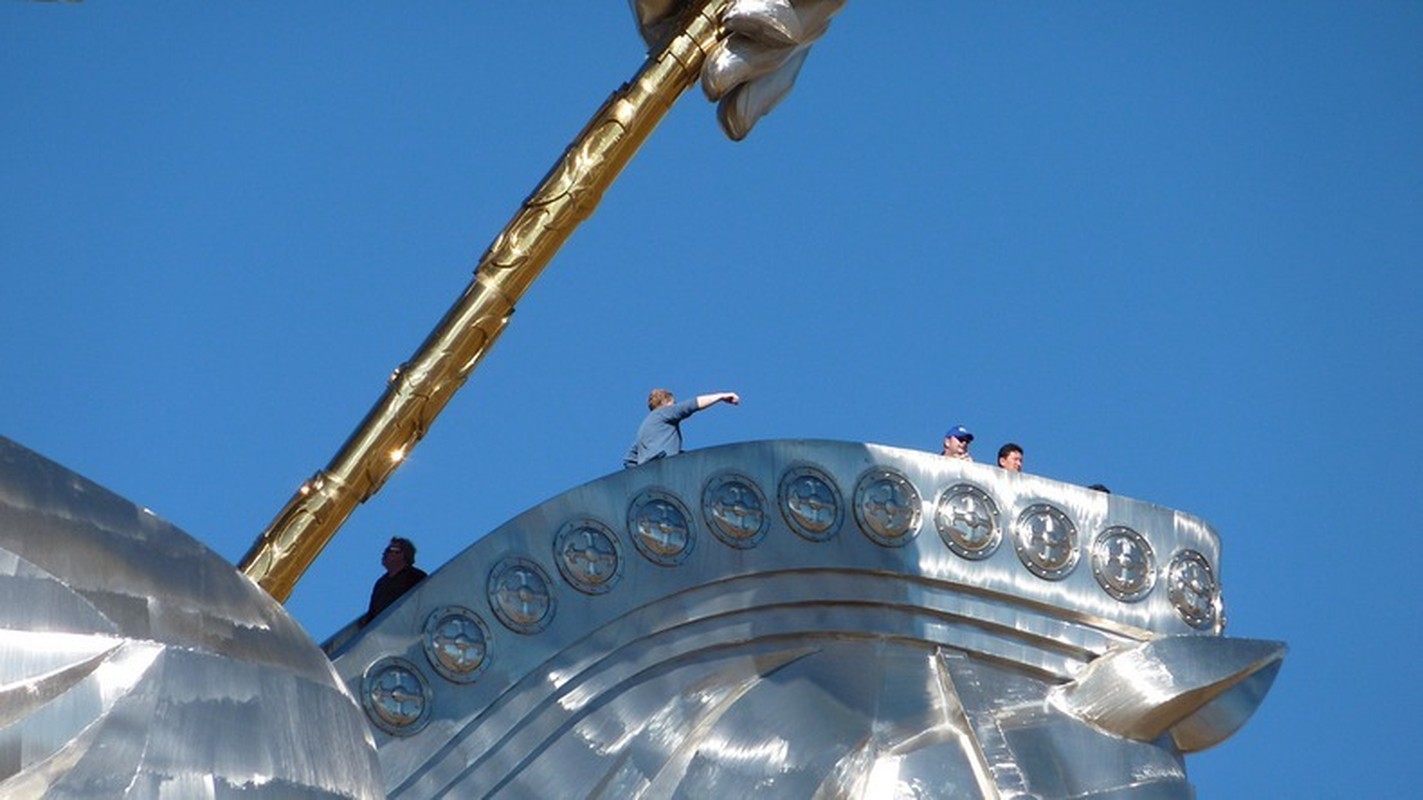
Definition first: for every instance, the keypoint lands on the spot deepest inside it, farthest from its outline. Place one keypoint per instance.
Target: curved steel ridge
(811, 617)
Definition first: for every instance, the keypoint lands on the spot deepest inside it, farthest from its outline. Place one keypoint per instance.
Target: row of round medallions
(887, 508)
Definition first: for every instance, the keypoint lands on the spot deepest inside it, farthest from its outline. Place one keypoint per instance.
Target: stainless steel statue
(804, 619)
(808, 619)
(812, 619)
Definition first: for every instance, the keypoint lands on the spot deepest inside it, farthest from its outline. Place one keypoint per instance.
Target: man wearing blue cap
(956, 443)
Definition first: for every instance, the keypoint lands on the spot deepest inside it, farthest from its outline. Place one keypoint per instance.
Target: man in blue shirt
(661, 433)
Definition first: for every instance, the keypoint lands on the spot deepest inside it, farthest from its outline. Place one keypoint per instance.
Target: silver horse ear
(1197, 689)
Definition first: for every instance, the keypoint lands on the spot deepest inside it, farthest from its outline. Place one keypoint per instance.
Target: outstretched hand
(704, 400)
(755, 64)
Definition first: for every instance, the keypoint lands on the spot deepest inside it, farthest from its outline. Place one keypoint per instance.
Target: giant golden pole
(420, 388)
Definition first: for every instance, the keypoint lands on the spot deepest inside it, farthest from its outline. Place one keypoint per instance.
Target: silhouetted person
(400, 576)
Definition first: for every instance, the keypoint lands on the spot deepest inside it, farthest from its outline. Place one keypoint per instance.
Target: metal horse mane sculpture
(808, 619)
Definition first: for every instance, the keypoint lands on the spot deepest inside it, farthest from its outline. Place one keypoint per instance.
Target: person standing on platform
(400, 576)
(1010, 457)
(660, 434)
(956, 443)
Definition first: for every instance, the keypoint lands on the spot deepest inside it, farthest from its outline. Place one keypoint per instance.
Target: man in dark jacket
(400, 576)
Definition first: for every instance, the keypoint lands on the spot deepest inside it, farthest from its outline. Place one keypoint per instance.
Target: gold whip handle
(420, 388)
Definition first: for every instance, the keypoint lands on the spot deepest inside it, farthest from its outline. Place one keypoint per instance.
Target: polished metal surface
(456, 643)
(663, 632)
(967, 519)
(1193, 588)
(756, 59)
(887, 507)
(136, 663)
(810, 503)
(419, 389)
(1046, 540)
(589, 556)
(1124, 563)
(736, 510)
(1196, 690)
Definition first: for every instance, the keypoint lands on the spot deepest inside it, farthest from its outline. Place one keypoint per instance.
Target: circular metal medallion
(967, 519)
(810, 503)
(1123, 563)
(1190, 583)
(396, 697)
(456, 643)
(587, 555)
(661, 527)
(521, 595)
(887, 507)
(1046, 541)
(735, 510)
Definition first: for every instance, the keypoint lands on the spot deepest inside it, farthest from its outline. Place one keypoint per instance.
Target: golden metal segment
(420, 388)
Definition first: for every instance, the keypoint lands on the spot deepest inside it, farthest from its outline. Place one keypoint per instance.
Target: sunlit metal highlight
(815, 650)
(420, 388)
(134, 662)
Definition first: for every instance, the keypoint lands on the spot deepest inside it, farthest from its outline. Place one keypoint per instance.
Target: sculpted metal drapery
(420, 388)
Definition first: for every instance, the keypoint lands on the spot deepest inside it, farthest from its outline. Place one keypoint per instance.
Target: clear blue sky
(1171, 247)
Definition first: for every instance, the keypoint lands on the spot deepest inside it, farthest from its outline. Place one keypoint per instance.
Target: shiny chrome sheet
(812, 619)
(136, 663)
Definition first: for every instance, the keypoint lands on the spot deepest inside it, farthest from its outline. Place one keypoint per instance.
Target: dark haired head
(406, 546)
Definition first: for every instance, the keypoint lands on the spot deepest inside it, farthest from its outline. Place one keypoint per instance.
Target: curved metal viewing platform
(812, 619)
